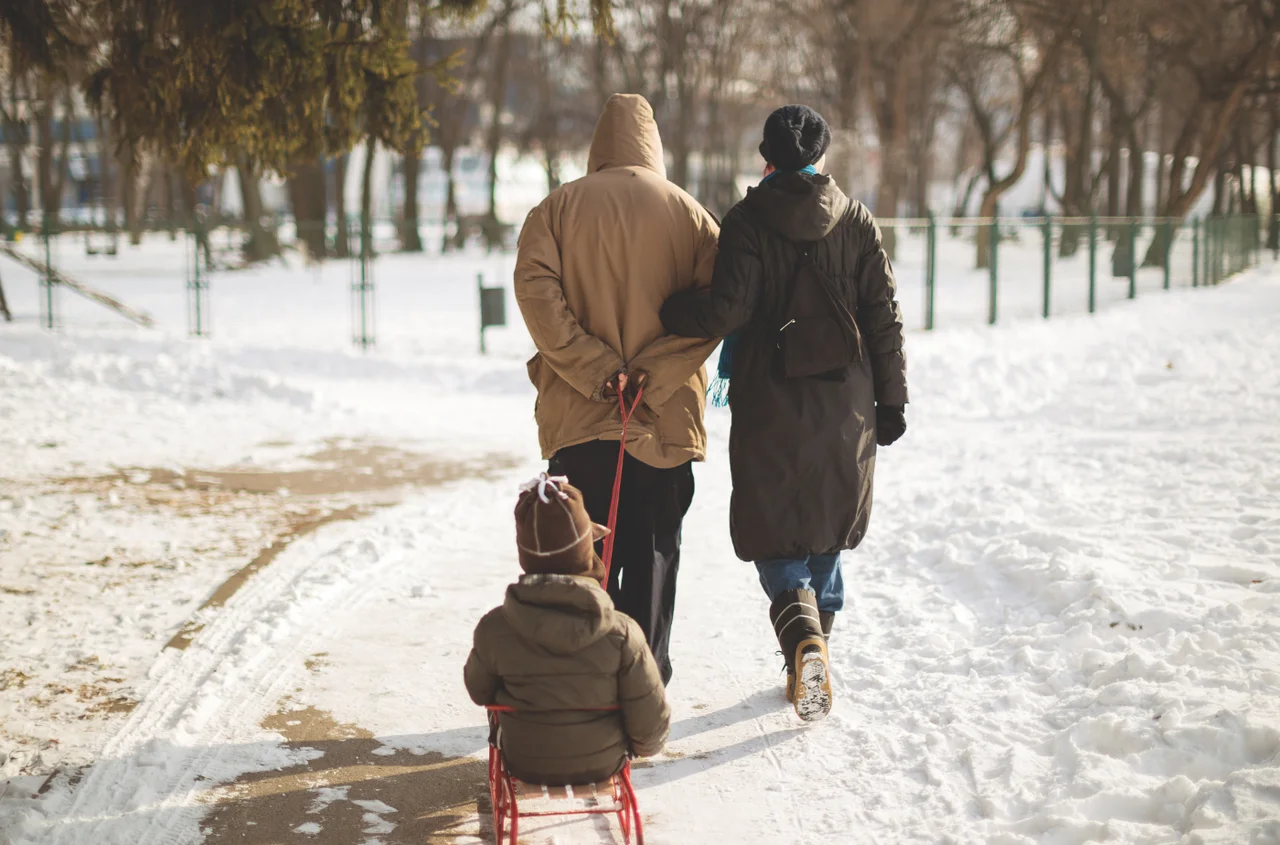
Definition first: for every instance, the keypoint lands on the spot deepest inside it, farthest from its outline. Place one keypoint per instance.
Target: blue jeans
(819, 573)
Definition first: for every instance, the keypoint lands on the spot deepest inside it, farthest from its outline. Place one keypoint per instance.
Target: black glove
(891, 423)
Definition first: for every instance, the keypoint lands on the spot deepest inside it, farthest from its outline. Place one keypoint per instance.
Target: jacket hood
(561, 613)
(626, 136)
(797, 206)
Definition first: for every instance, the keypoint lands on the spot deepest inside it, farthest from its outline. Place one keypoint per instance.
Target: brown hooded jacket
(596, 261)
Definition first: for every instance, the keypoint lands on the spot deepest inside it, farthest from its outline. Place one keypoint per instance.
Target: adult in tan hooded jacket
(596, 261)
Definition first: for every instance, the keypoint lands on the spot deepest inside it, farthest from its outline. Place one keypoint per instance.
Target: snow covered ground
(1064, 626)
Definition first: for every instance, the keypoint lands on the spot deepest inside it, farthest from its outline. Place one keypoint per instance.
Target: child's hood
(561, 613)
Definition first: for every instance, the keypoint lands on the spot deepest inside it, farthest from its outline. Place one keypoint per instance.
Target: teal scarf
(718, 390)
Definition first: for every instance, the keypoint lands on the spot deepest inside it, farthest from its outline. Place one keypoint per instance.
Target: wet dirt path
(153, 555)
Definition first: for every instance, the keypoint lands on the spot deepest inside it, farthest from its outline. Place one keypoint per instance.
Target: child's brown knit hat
(553, 531)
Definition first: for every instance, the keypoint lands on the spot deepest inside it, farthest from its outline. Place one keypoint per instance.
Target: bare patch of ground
(352, 789)
(144, 555)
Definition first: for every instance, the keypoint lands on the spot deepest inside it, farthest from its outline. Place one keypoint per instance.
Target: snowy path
(1064, 627)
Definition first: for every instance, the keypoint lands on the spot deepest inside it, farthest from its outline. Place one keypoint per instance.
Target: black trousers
(646, 550)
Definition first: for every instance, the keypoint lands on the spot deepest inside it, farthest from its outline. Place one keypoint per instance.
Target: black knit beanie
(794, 138)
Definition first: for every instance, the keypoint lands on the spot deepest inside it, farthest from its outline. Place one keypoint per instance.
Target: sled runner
(615, 796)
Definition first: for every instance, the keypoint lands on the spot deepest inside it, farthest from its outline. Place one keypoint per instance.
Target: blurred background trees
(446, 117)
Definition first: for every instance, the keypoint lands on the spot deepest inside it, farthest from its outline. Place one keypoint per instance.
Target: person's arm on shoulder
(729, 303)
(646, 718)
(879, 316)
(580, 358)
(670, 361)
(479, 675)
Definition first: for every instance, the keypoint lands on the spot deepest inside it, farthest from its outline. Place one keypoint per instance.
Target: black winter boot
(798, 626)
(828, 622)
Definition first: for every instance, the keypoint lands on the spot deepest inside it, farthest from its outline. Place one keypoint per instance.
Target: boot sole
(813, 685)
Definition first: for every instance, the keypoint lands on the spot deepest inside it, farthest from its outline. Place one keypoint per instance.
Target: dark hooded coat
(802, 451)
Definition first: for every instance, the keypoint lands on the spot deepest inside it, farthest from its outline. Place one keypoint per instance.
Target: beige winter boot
(799, 629)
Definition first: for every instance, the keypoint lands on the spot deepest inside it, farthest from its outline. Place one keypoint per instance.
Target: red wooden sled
(615, 796)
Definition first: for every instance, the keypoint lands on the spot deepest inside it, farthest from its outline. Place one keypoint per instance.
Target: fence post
(1169, 234)
(995, 267)
(1218, 250)
(1208, 251)
(1093, 262)
(49, 320)
(480, 288)
(1133, 257)
(1048, 262)
(930, 270)
(364, 288)
(361, 286)
(196, 285)
(1195, 252)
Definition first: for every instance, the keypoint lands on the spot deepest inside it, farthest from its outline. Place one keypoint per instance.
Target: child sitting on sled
(582, 686)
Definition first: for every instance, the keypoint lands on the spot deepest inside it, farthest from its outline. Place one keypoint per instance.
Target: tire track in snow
(146, 786)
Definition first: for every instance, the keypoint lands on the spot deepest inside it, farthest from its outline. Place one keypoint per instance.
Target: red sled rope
(627, 413)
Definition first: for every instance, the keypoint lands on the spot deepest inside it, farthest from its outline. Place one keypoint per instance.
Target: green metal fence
(950, 271)
(1049, 265)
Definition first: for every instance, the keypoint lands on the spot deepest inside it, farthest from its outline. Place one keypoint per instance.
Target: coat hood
(797, 206)
(561, 613)
(626, 136)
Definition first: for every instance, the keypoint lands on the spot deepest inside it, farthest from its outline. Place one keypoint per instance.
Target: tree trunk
(307, 198)
(1219, 191)
(1273, 179)
(923, 161)
(4, 305)
(342, 236)
(1046, 139)
(968, 137)
(141, 188)
(892, 125)
(1135, 200)
(366, 199)
(170, 208)
(18, 135)
(1113, 171)
(64, 152)
(547, 124)
(1181, 200)
(497, 101)
(1122, 257)
(129, 188)
(262, 243)
(681, 146)
(962, 201)
(409, 225)
(410, 169)
(996, 189)
(1244, 172)
(43, 119)
(449, 244)
(600, 72)
(107, 184)
(1077, 191)
(1162, 167)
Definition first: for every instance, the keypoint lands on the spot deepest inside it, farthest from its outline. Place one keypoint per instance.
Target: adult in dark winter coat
(801, 449)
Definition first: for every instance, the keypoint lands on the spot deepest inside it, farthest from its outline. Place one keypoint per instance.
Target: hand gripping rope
(627, 413)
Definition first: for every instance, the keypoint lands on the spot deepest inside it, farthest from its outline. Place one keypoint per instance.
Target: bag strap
(828, 286)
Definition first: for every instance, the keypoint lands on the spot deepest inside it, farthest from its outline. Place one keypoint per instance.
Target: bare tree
(1001, 70)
